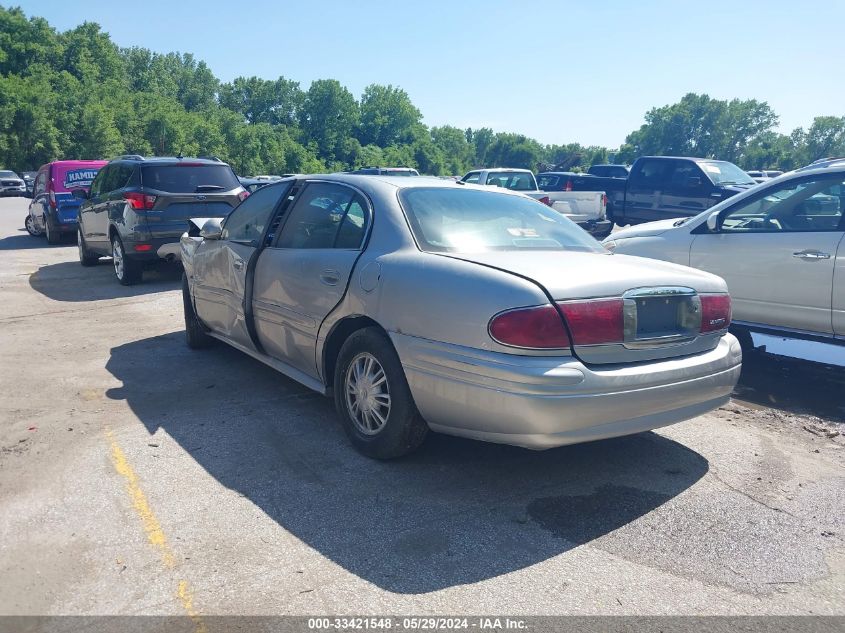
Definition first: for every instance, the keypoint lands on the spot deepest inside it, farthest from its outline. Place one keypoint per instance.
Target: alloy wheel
(117, 258)
(367, 394)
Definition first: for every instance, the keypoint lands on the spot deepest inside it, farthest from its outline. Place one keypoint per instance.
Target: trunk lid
(660, 301)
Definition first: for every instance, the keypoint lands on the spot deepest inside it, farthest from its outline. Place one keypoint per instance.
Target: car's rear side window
(326, 215)
(468, 220)
(189, 178)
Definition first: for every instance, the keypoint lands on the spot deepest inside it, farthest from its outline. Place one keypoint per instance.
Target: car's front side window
(246, 223)
(326, 215)
(472, 178)
(797, 206)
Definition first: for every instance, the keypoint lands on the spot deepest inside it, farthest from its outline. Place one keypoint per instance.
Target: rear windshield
(189, 178)
(69, 177)
(513, 180)
(549, 182)
(399, 172)
(469, 220)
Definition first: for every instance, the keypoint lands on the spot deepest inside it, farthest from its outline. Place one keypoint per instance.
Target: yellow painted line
(152, 527)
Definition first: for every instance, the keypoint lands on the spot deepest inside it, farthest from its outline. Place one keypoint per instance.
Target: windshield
(513, 180)
(8, 174)
(469, 220)
(724, 173)
(189, 178)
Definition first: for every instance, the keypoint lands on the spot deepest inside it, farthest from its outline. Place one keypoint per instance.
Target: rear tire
(372, 397)
(196, 333)
(127, 271)
(86, 257)
(53, 236)
(31, 228)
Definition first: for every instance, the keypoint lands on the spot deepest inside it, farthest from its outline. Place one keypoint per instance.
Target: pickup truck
(659, 187)
(588, 209)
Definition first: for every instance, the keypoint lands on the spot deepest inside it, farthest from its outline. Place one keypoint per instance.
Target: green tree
(387, 116)
(329, 115)
(262, 101)
(826, 137)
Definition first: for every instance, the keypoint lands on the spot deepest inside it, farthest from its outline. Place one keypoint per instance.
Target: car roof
(167, 160)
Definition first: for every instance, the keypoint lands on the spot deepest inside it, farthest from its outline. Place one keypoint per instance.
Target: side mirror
(211, 230)
(80, 194)
(694, 181)
(713, 222)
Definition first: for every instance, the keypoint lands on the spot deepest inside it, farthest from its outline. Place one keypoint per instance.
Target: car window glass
(682, 172)
(653, 172)
(318, 215)
(797, 206)
(547, 182)
(40, 182)
(246, 223)
(352, 226)
(472, 178)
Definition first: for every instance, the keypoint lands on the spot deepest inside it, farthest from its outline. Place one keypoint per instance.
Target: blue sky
(557, 71)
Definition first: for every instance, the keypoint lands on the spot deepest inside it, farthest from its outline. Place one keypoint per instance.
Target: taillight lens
(140, 201)
(715, 312)
(568, 185)
(243, 195)
(534, 328)
(546, 201)
(52, 200)
(595, 322)
(604, 199)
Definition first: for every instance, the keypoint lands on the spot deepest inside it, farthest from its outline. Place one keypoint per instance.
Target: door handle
(330, 277)
(238, 264)
(811, 255)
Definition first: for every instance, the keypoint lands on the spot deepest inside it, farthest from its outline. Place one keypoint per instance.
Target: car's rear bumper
(542, 402)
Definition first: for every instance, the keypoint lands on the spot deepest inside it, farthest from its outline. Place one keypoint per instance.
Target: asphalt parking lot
(140, 477)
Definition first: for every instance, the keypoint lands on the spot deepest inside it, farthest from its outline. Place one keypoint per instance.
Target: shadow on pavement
(22, 241)
(455, 512)
(792, 385)
(70, 281)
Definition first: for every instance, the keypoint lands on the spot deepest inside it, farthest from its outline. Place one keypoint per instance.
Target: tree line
(76, 94)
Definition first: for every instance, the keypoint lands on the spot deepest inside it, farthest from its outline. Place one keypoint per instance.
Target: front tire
(127, 271)
(195, 332)
(86, 258)
(373, 399)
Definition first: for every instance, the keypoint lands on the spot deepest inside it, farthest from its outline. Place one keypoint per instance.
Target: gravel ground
(139, 477)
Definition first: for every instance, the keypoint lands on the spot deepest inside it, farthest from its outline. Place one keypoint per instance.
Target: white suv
(779, 246)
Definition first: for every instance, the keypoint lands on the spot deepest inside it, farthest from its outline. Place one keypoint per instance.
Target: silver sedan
(420, 304)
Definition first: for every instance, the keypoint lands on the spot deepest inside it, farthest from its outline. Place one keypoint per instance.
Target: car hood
(643, 230)
(574, 275)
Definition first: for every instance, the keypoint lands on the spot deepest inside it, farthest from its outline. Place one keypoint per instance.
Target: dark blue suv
(137, 209)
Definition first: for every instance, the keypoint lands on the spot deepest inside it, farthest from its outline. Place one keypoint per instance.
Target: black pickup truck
(659, 187)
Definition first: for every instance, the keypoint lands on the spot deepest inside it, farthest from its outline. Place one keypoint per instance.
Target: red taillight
(52, 200)
(595, 322)
(546, 201)
(143, 248)
(140, 201)
(535, 328)
(715, 312)
(604, 199)
(243, 195)
(568, 185)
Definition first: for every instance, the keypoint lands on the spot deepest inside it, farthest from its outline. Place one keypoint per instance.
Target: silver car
(421, 304)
